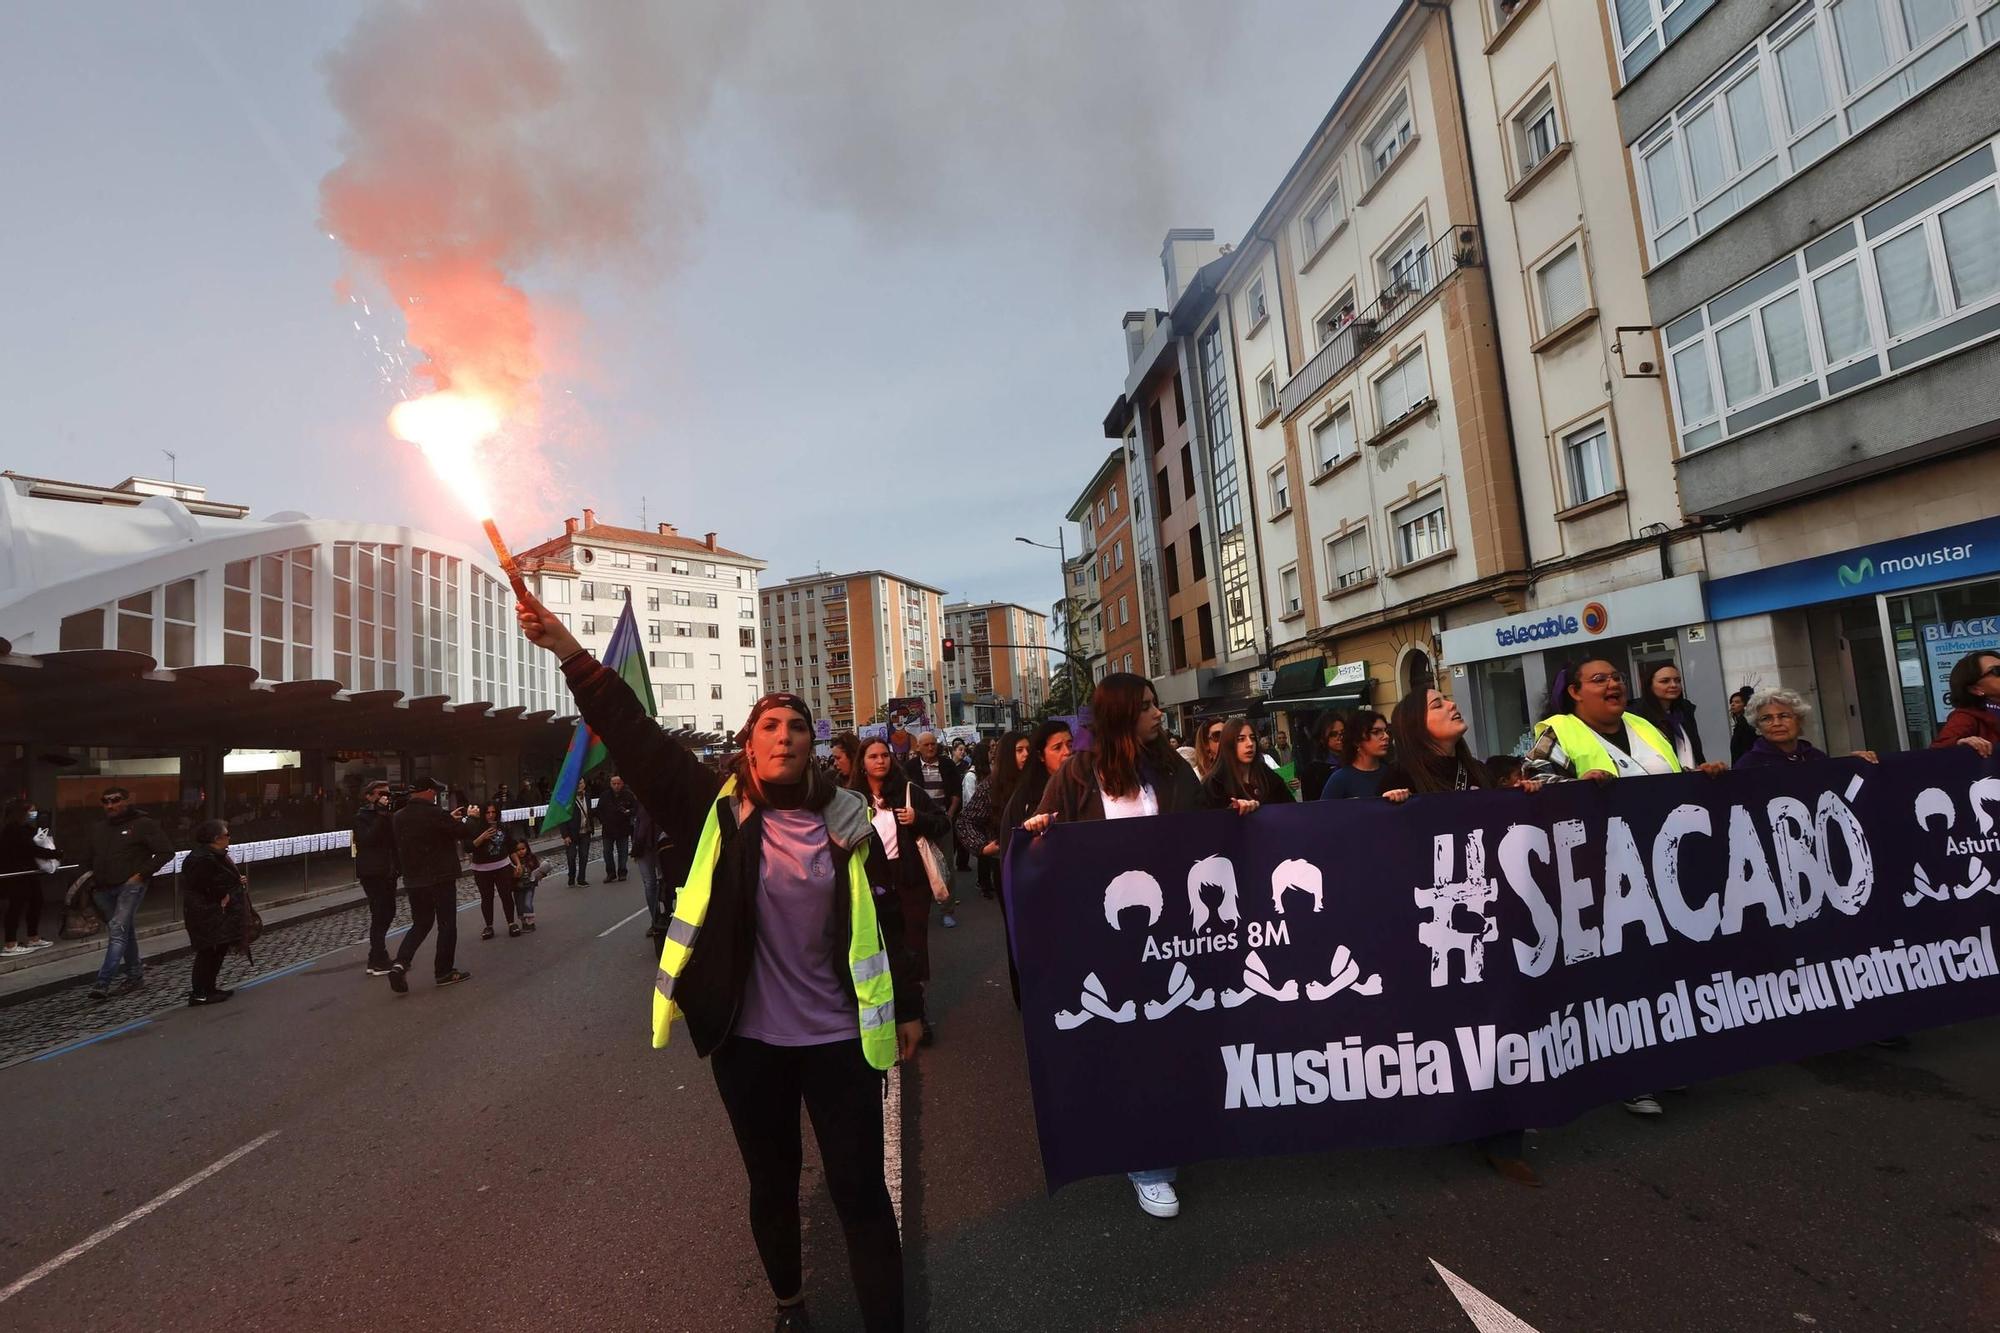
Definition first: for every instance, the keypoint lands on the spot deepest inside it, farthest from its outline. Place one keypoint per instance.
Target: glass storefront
(1929, 630)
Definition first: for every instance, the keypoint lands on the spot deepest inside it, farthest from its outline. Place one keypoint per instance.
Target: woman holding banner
(1129, 771)
(1364, 759)
(776, 959)
(1974, 694)
(1778, 715)
(1240, 777)
(1592, 735)
(1047, 750)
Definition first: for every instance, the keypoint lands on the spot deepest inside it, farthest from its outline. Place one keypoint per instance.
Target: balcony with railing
(1414, 283)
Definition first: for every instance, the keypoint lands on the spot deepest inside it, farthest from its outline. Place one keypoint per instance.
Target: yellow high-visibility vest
(867, 958)
(1586, 749)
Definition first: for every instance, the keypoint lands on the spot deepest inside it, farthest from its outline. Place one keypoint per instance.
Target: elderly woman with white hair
(1779, 715)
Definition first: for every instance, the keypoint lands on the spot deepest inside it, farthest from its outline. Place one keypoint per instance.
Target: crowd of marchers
(794, 948)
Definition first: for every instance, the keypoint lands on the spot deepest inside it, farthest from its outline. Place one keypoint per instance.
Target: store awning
(1353, 695)
(1295, 680)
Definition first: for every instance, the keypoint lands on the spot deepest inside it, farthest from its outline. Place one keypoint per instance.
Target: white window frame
(1848, 112)
(1406, 260)
(1341, 577)
(1567, 445)
(1691, 339)
(1342, 310)
(1391, 133)
(1549, 319)
(1289, 595)
(1410, 522)
(1322, 462)
(1255, 304)
(1329, 205)
(1383, 417)
(1267, 393)
(1648, 40)
(1279, 480)
(1538, 122)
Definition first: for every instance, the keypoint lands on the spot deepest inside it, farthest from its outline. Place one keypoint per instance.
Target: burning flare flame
(449, 426)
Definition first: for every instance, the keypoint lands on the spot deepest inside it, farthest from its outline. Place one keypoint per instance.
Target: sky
(840, 281)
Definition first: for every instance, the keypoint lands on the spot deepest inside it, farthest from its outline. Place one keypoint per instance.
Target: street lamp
(1061, 548)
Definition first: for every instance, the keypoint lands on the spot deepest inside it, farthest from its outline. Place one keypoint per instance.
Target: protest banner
(1355, 974)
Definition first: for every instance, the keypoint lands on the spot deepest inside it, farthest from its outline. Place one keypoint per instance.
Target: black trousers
(490, 882)
(207, 966)
(381, 891)
(577, 853)
(761, 1087)
(432, 905)
(24, 905)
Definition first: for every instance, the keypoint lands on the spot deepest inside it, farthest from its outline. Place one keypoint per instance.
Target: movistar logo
(1850, 575)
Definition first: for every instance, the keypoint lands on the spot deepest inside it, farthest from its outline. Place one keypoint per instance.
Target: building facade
(851, 644)
(1359, 313)
(1104, 578)
(1612, 568)
(1002, 660)
(695, 604)
(1180, 423)
(1819, 199)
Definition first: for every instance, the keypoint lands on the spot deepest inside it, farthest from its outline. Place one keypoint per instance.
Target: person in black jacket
(21, 878)
(1240, 776)
(576, 836)
(375, 867)
(903, 815)
(126, 850)
(212, 904)
(615, 812)
(1662, 700)
(766, 990)
(427, 850)
(1129, 772)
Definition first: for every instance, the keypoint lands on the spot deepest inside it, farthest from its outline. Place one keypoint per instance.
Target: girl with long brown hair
(1239, 775)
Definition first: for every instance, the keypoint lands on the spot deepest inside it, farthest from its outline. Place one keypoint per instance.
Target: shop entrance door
(1871, 694)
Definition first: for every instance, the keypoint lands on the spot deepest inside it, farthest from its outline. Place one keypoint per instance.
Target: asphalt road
(511, 1154)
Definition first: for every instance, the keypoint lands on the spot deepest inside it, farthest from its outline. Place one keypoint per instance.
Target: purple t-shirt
(794, 995)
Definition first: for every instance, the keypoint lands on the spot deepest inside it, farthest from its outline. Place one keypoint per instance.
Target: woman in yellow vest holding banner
(1591, 734)
(785, 959)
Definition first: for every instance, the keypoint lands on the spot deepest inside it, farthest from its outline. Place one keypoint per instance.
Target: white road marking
(1487, 1315)
(626, 922)
(892, 1142)
(97, 1238)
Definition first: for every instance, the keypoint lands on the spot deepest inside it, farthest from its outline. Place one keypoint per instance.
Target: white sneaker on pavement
(1159, 1200)
(1644, 1104)
(15, 951)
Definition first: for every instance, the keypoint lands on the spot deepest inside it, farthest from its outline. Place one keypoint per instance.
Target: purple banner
(1352, 974)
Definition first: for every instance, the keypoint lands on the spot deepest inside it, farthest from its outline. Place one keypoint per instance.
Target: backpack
(80, 919)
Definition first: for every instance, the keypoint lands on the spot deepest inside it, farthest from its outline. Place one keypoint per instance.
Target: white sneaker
(15, 951)
(42, 944)
(1644, 1104)
(1159, 1200)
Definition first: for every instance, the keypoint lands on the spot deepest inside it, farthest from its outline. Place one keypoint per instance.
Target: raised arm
(666, 778)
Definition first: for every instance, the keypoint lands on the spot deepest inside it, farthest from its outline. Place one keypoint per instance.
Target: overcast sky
(871, 319)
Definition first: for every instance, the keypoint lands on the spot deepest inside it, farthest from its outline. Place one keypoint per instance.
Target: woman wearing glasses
(1778, 714)
(1364, 758)
(1974, 692)
(1592, 734)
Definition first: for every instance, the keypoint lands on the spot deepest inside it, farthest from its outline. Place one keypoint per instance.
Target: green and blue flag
(627, 657)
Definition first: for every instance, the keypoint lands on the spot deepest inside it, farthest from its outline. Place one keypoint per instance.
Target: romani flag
(627, 657)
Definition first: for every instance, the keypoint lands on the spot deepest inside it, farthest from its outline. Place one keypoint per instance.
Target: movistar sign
(1906, 562)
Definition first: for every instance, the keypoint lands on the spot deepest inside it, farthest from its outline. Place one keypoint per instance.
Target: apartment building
(1611, 564)
(1358, 312)
(695, 603)
(848, 644)
(1819, 200)
(1104, 577)
(1002, 662)
(1077, 622)
(1180, 424)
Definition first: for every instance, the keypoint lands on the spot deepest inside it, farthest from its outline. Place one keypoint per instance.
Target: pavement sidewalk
(69, 961)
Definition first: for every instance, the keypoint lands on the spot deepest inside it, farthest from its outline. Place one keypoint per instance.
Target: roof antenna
(642, 513)
(173, 466)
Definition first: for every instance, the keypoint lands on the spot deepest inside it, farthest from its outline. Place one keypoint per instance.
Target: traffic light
(950, 649)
